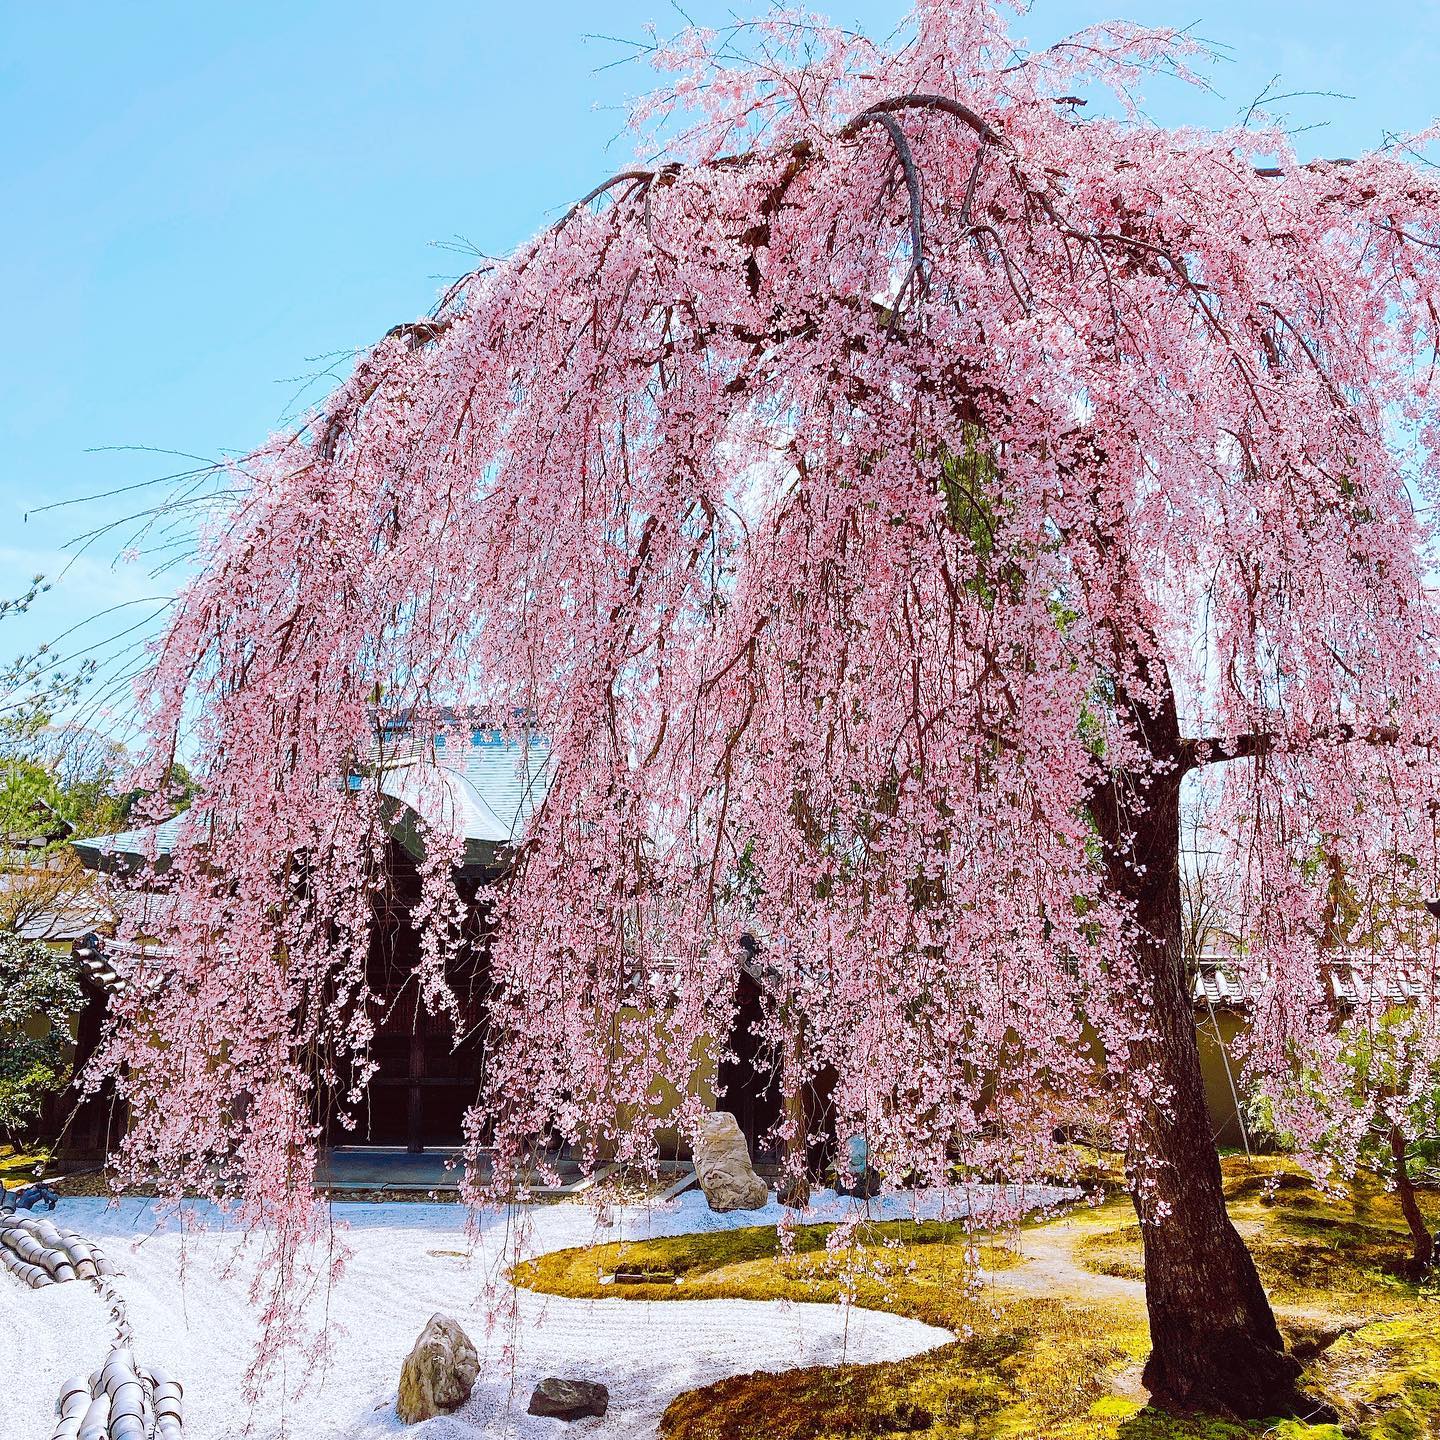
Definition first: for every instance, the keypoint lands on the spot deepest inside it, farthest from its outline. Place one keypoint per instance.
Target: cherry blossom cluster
(841, 497)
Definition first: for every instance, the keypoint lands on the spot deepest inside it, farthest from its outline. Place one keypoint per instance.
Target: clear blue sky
(201, 199)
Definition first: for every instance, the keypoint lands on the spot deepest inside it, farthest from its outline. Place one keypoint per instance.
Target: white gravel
(188, 1302)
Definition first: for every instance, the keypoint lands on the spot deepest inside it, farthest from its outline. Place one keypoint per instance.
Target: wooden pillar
(415, 1116)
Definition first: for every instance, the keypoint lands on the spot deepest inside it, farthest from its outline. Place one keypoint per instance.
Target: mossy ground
(1342, 1258)
(1051, 1363)
(1042, 1358)
(920, 1266)
(17, 1167)
(1054, 1353)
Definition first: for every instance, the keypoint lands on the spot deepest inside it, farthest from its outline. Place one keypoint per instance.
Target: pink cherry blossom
(846, 499)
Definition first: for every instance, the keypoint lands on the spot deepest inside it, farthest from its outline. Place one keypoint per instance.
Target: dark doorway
(423, 1084)
(428, 1067)
(750, 1082)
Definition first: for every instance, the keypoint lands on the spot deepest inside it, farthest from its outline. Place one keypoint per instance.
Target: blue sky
(204, 201)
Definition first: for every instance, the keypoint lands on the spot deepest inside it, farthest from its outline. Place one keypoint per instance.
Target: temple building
(483, 785)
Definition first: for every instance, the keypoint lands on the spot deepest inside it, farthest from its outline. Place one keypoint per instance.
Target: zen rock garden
(121, 1400)
(125, 1399)
(439, 1374)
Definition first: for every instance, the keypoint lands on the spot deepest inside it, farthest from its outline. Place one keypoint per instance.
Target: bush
(39, 992)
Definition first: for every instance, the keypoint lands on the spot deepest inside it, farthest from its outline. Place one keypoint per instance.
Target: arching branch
(943, 103)
(645, 178)
(415, 334)
(797, 156)
(906, 156)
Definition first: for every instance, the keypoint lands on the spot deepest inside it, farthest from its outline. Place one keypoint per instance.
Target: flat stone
(438, 1374)
(630, 1275)
(569, 1399)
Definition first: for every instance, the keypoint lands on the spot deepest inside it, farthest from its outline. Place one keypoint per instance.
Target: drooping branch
(798, 156)
(415, 334)
(916, 274)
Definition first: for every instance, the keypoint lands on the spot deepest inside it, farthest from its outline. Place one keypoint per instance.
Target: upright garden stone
(439, 1373)
(722, 1165)
(863, 1181)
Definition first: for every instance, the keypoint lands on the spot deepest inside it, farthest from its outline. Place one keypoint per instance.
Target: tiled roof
(131, 845)
(488, 782)
(69, 913)
(483, 785)
(1353, 981)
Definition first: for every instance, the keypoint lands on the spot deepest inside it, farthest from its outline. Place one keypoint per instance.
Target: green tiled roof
(485, 790)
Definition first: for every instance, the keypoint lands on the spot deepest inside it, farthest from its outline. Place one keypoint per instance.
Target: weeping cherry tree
(880, 504)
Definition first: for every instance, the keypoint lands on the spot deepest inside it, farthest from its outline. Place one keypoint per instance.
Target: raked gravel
(186, 1288)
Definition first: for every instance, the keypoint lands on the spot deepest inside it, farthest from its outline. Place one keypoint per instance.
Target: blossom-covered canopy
(905, 472)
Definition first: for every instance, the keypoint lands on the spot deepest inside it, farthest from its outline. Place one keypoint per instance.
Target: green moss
(1113, 1252)
(925, 1268)
(1037, 1366)
(1156, 1425)
(19, 1166)
(1113, 1407)
(1270, 1184)
(1332, 1255)
(1385, 1377)
(1033, 1370)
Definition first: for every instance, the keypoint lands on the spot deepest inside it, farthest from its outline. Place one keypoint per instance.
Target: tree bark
(1424, 1241)
(794, 1189)
(1214, 1342)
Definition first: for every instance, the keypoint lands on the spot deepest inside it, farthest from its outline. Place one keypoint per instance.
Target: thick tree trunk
(1424, 1241)
(1214, 1342)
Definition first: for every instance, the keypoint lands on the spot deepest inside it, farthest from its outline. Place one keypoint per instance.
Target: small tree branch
(1215, 749)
